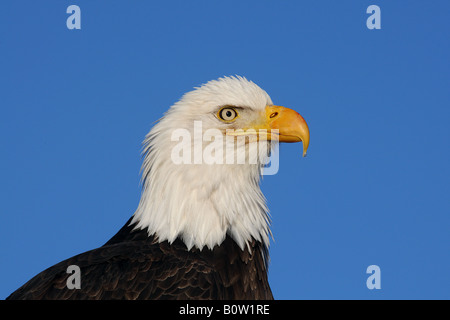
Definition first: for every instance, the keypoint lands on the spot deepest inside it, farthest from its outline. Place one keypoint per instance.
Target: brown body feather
(133, 265)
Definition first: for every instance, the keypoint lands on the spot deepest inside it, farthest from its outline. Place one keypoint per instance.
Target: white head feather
(202, 203)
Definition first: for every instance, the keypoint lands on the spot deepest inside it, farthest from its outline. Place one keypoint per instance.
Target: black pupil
(229, 113)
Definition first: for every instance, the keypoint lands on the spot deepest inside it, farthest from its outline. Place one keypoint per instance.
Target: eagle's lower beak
(290, 125)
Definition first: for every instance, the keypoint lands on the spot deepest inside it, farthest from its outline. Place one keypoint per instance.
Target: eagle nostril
(273, 115)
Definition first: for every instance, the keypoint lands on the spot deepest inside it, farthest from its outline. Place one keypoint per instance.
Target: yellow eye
(227, 114)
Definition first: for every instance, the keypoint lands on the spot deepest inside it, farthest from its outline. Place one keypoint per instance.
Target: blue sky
(374, 189)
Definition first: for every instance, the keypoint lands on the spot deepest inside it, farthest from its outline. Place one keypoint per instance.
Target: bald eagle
(201, 229)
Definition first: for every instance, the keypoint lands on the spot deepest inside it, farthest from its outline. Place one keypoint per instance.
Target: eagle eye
(227, 114)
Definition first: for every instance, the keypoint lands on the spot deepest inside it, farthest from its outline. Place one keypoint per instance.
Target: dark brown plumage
(132, 265)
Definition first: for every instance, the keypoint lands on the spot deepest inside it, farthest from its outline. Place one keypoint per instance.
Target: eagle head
(202, 164)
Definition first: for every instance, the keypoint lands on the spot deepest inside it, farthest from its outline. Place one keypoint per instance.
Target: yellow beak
(290, 125)
(280, 124)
